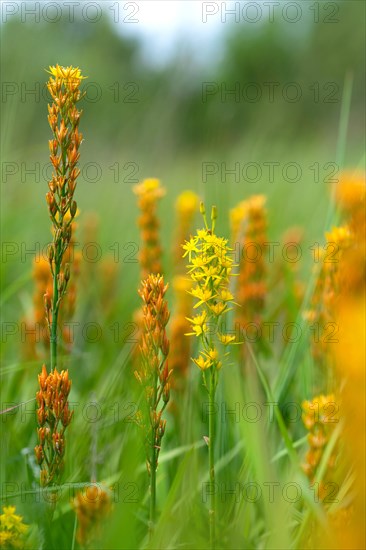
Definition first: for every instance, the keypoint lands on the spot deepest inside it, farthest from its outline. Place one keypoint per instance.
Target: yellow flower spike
(92, 505)
(252, 276)
(333, 274)
(209, 268)
(320, 424)
(148, 193)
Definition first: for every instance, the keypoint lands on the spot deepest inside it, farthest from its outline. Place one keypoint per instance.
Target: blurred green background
(144, 117)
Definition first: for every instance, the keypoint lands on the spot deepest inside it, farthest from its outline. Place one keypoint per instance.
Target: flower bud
(44, 478)
(73, 209)
(67, 272)
(166, 393)
(38, 450)
(50, 252)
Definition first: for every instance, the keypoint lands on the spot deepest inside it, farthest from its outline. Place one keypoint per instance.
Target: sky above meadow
(193, 28)
(163, 26)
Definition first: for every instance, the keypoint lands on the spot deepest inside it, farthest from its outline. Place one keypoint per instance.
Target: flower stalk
(154, 376)
(63, 117)
(210, 268)
(53, 414)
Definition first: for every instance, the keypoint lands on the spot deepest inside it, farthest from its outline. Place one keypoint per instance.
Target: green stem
(53, 335)
(153, 490)
(211, 456)
(153, 465)
(59, 251)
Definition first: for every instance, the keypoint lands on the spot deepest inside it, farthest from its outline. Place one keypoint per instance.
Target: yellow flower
(198, 330)
(190, 247)
(65, 72)
(187, 203)
(227, 262)
(213, 354)
(181, 284)
(251, 286)
(67, 216)
(226, 339)
(149, 192)
(210, 269)
(219, 308)
(199, 262)
(202, 363)
(149, 186)
(226, 296)
(351, 191)
(204, 295)
(198, 276)
(198, 319)
(92, 506)
(12, 529)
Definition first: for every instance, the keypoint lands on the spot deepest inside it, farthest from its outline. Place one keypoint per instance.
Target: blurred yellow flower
(187, 203)
(12, 529)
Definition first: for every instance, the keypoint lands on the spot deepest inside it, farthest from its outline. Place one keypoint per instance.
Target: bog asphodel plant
(251, 286)
(154, 376)
(210, 268)
(92, 505)
(319, 419)
(185, 207)
(64, 117)
(149, 192)
(329, 275)
(53, 414)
